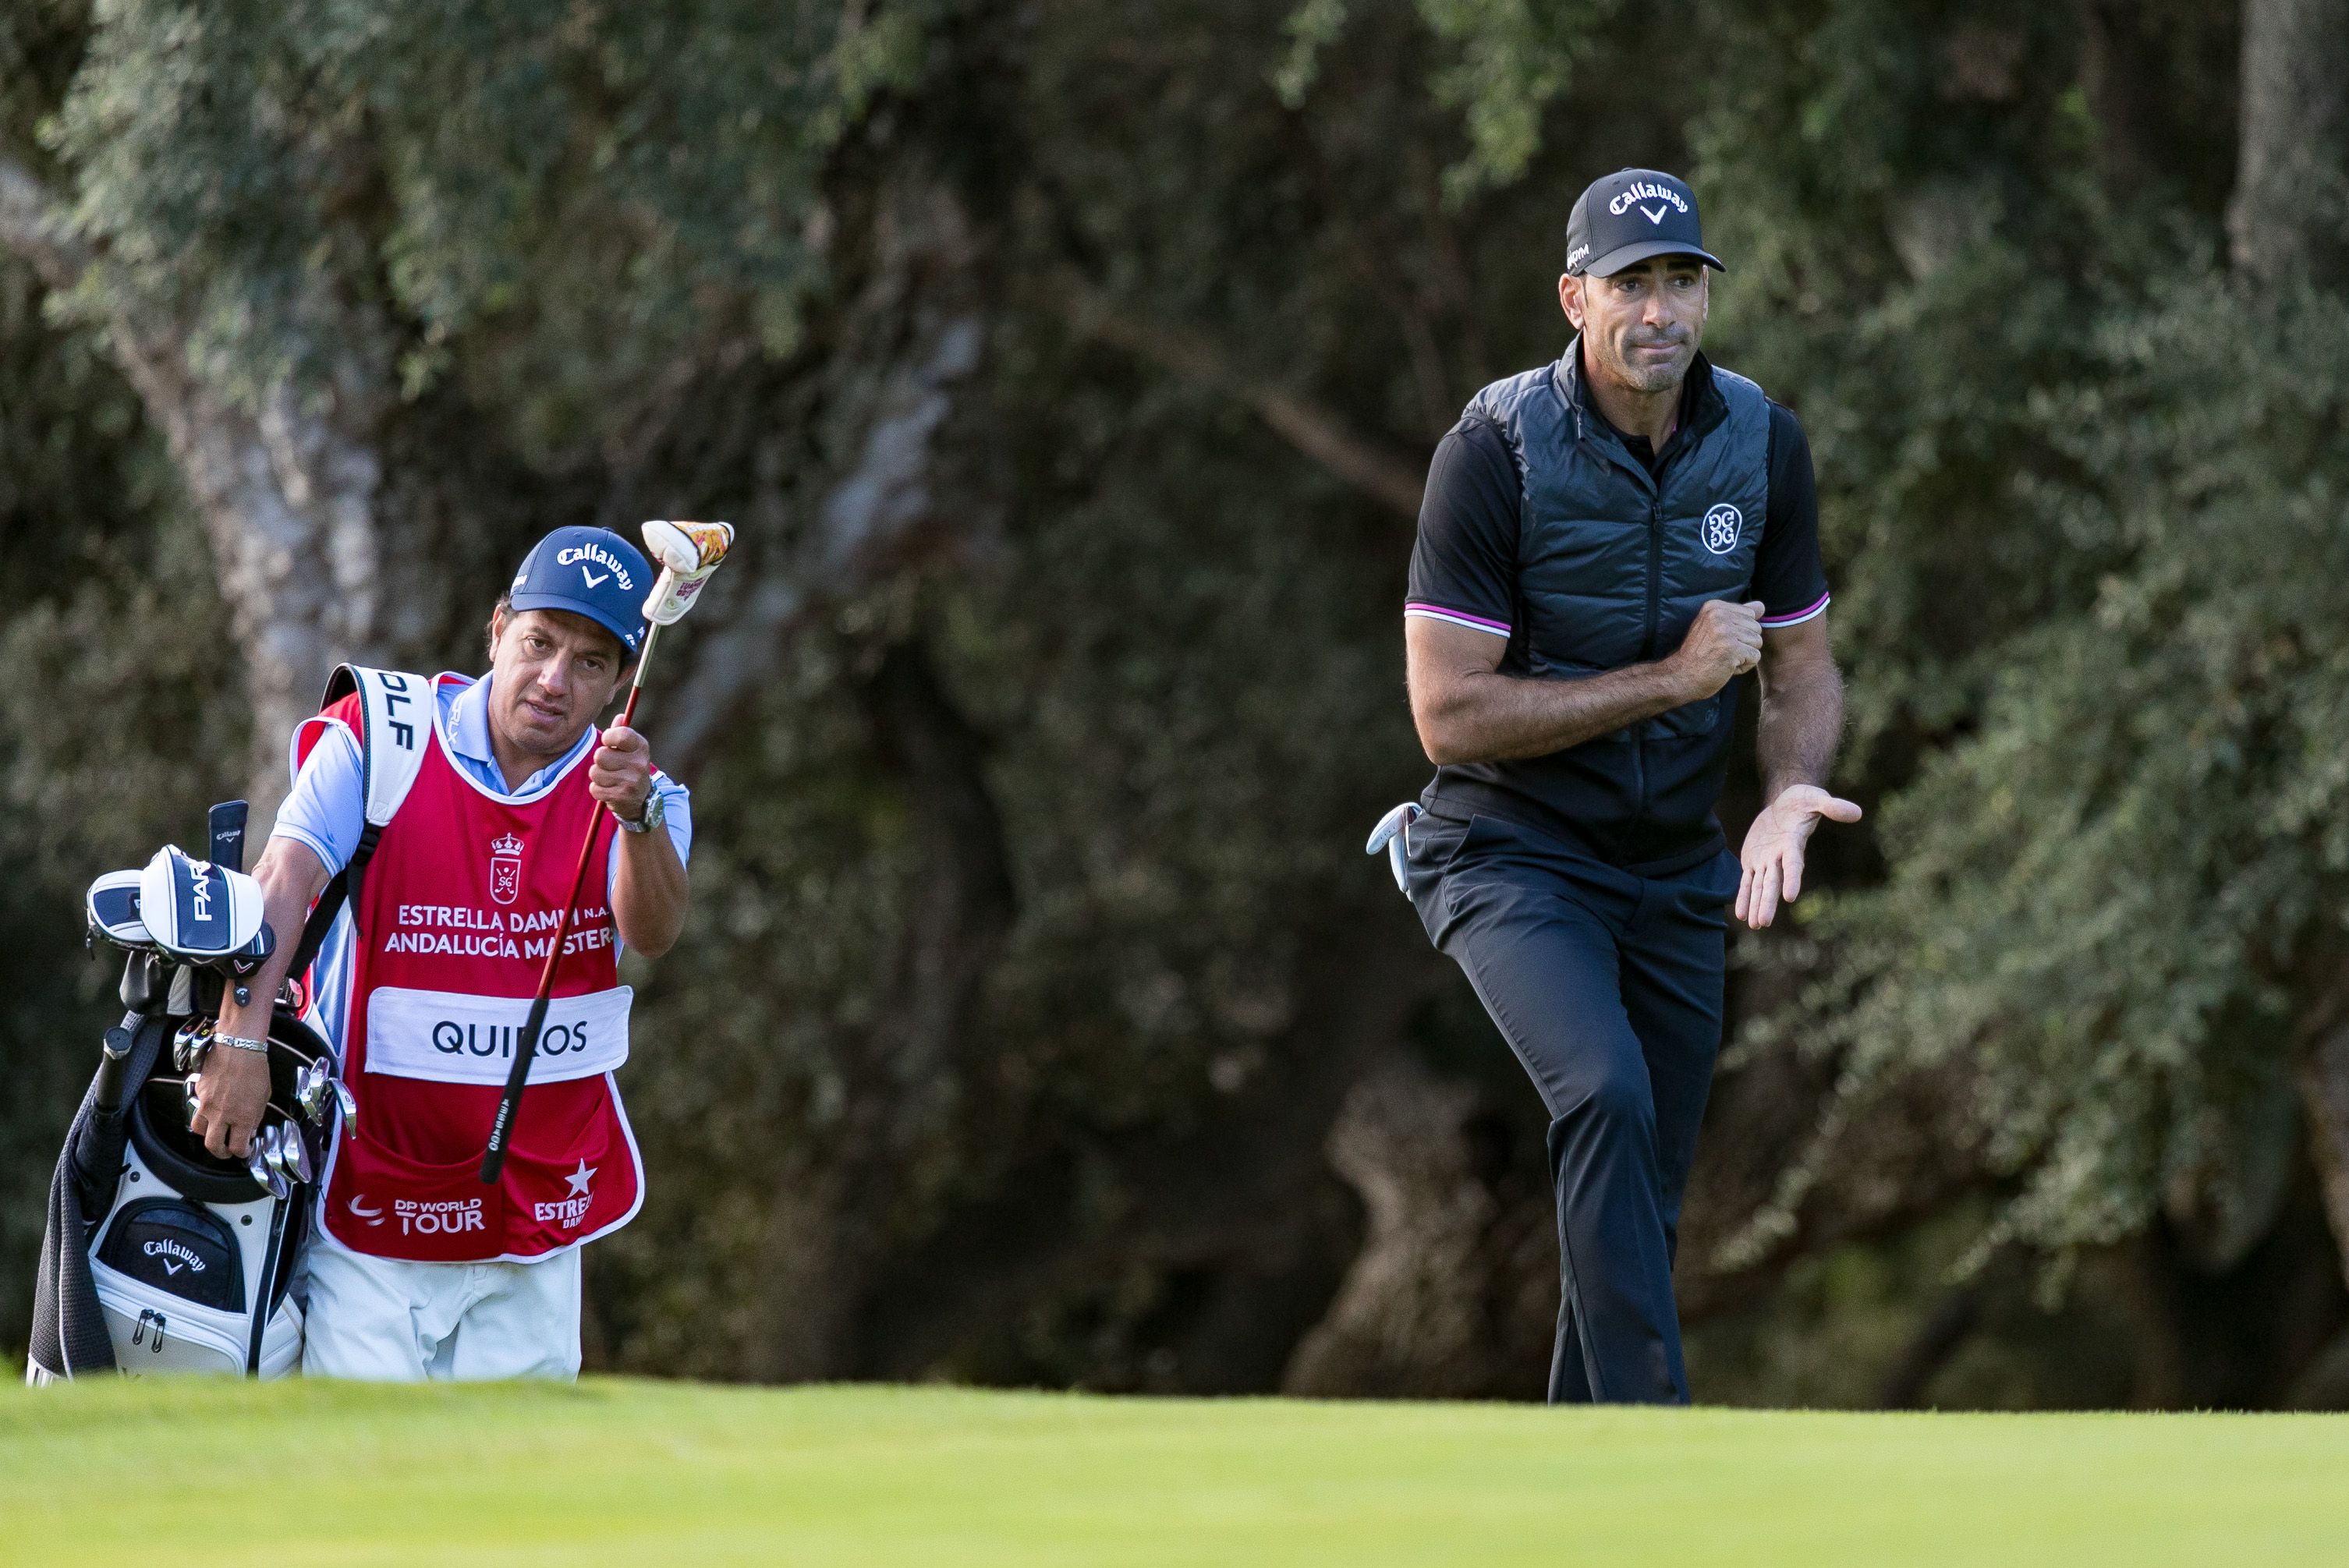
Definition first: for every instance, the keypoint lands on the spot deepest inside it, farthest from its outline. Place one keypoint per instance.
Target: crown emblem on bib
(506, 869)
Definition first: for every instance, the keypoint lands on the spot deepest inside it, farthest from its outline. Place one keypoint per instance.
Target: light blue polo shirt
(326, 812)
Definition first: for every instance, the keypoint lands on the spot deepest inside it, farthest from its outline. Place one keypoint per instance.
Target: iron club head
(312, 1085)
(294, 1156)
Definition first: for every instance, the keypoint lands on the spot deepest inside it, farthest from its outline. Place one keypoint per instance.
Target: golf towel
(69, 1337)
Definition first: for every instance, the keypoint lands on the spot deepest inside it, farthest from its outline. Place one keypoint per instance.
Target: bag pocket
(179, 1248)
(156, 1331)
(385, 1204)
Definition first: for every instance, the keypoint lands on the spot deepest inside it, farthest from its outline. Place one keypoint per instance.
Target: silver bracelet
(240, 1043)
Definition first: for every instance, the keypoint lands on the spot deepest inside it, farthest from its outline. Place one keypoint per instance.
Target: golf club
(688, 553)
(262, 1163)
(312, 1085)
(192, 1044)
(296, 1149)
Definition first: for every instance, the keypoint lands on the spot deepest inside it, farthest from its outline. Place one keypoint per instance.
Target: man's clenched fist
(232, 1093)
(1722, 642)
(620, 774)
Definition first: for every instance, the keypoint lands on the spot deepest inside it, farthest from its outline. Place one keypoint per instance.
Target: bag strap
(395, 722)
(343, 889)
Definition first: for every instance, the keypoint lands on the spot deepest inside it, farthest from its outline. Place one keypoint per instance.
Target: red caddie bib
(453, 920)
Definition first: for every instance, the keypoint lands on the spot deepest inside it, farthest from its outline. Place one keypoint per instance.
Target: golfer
(1606, 544)
(481, 792)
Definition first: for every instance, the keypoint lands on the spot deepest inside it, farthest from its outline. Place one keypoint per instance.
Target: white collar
(468, 731)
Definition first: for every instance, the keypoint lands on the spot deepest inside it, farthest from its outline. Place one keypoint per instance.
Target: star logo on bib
(569, 1212)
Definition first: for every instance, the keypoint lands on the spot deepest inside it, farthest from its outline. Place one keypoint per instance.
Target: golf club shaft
(493, 1157)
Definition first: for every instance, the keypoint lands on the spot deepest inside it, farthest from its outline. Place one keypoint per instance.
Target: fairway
(632, 1472)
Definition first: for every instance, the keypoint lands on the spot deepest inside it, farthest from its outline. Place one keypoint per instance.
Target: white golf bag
(159, 1257)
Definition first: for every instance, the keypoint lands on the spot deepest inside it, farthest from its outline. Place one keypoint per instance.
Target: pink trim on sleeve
(1456, 617)
(1798, 617)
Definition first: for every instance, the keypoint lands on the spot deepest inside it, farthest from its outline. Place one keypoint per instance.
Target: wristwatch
(655, 813)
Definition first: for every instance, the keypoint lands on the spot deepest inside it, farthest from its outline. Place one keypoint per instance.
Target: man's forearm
(290, 876)
(1487, 716)
(648, 892)
(1800, 725)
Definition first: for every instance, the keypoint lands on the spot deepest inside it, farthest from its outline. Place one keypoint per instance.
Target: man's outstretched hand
(1773, 855)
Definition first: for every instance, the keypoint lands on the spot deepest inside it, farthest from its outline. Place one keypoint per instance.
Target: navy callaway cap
(590, 571)
(1630, 215)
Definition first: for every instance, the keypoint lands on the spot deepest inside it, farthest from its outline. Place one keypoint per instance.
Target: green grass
(185, 1473)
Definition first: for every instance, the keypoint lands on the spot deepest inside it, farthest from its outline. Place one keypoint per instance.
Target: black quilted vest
(1612, 565)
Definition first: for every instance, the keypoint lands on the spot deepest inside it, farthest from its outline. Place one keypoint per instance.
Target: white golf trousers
(387, 1320)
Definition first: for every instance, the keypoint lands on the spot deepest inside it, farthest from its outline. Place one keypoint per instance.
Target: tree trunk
(2324, 1090)
(289, 499)
(2289, 213)
(323, 552)
(1437, 1303)
(904, 1086)
(896, 458)
(2121, 73)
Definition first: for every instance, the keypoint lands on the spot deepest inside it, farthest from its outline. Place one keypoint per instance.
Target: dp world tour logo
(506, 869)
(1722, 526)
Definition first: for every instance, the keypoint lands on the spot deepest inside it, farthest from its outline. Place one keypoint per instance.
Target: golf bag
(158, 1257)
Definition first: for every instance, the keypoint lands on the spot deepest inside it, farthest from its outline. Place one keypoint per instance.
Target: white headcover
(688, 553)
(112, 906)
(197, 909)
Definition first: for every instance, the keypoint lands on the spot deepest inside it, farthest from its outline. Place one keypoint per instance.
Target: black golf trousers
(1607, 986)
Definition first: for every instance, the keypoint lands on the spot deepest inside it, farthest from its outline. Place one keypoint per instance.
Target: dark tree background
(1071, 371)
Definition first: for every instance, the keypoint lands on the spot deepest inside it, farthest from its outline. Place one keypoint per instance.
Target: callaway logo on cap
(589, 571)
(1630, 215)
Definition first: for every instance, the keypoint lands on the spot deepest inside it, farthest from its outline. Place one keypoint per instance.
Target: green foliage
(2111, 895)
(1509, 60)
(570, 193)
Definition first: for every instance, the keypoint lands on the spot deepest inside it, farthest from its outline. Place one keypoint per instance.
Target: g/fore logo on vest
(506, 869)
(452, 1037)
(1722, 525)
(587, 557)
(166, 1250)
(439, 1216)
(569, 1212)
(1639, 192)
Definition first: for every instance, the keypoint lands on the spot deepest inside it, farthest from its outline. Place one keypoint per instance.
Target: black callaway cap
(1630, 215)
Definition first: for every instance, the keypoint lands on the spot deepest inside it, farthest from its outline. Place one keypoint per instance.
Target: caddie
(1605, 543)
(451, 810)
